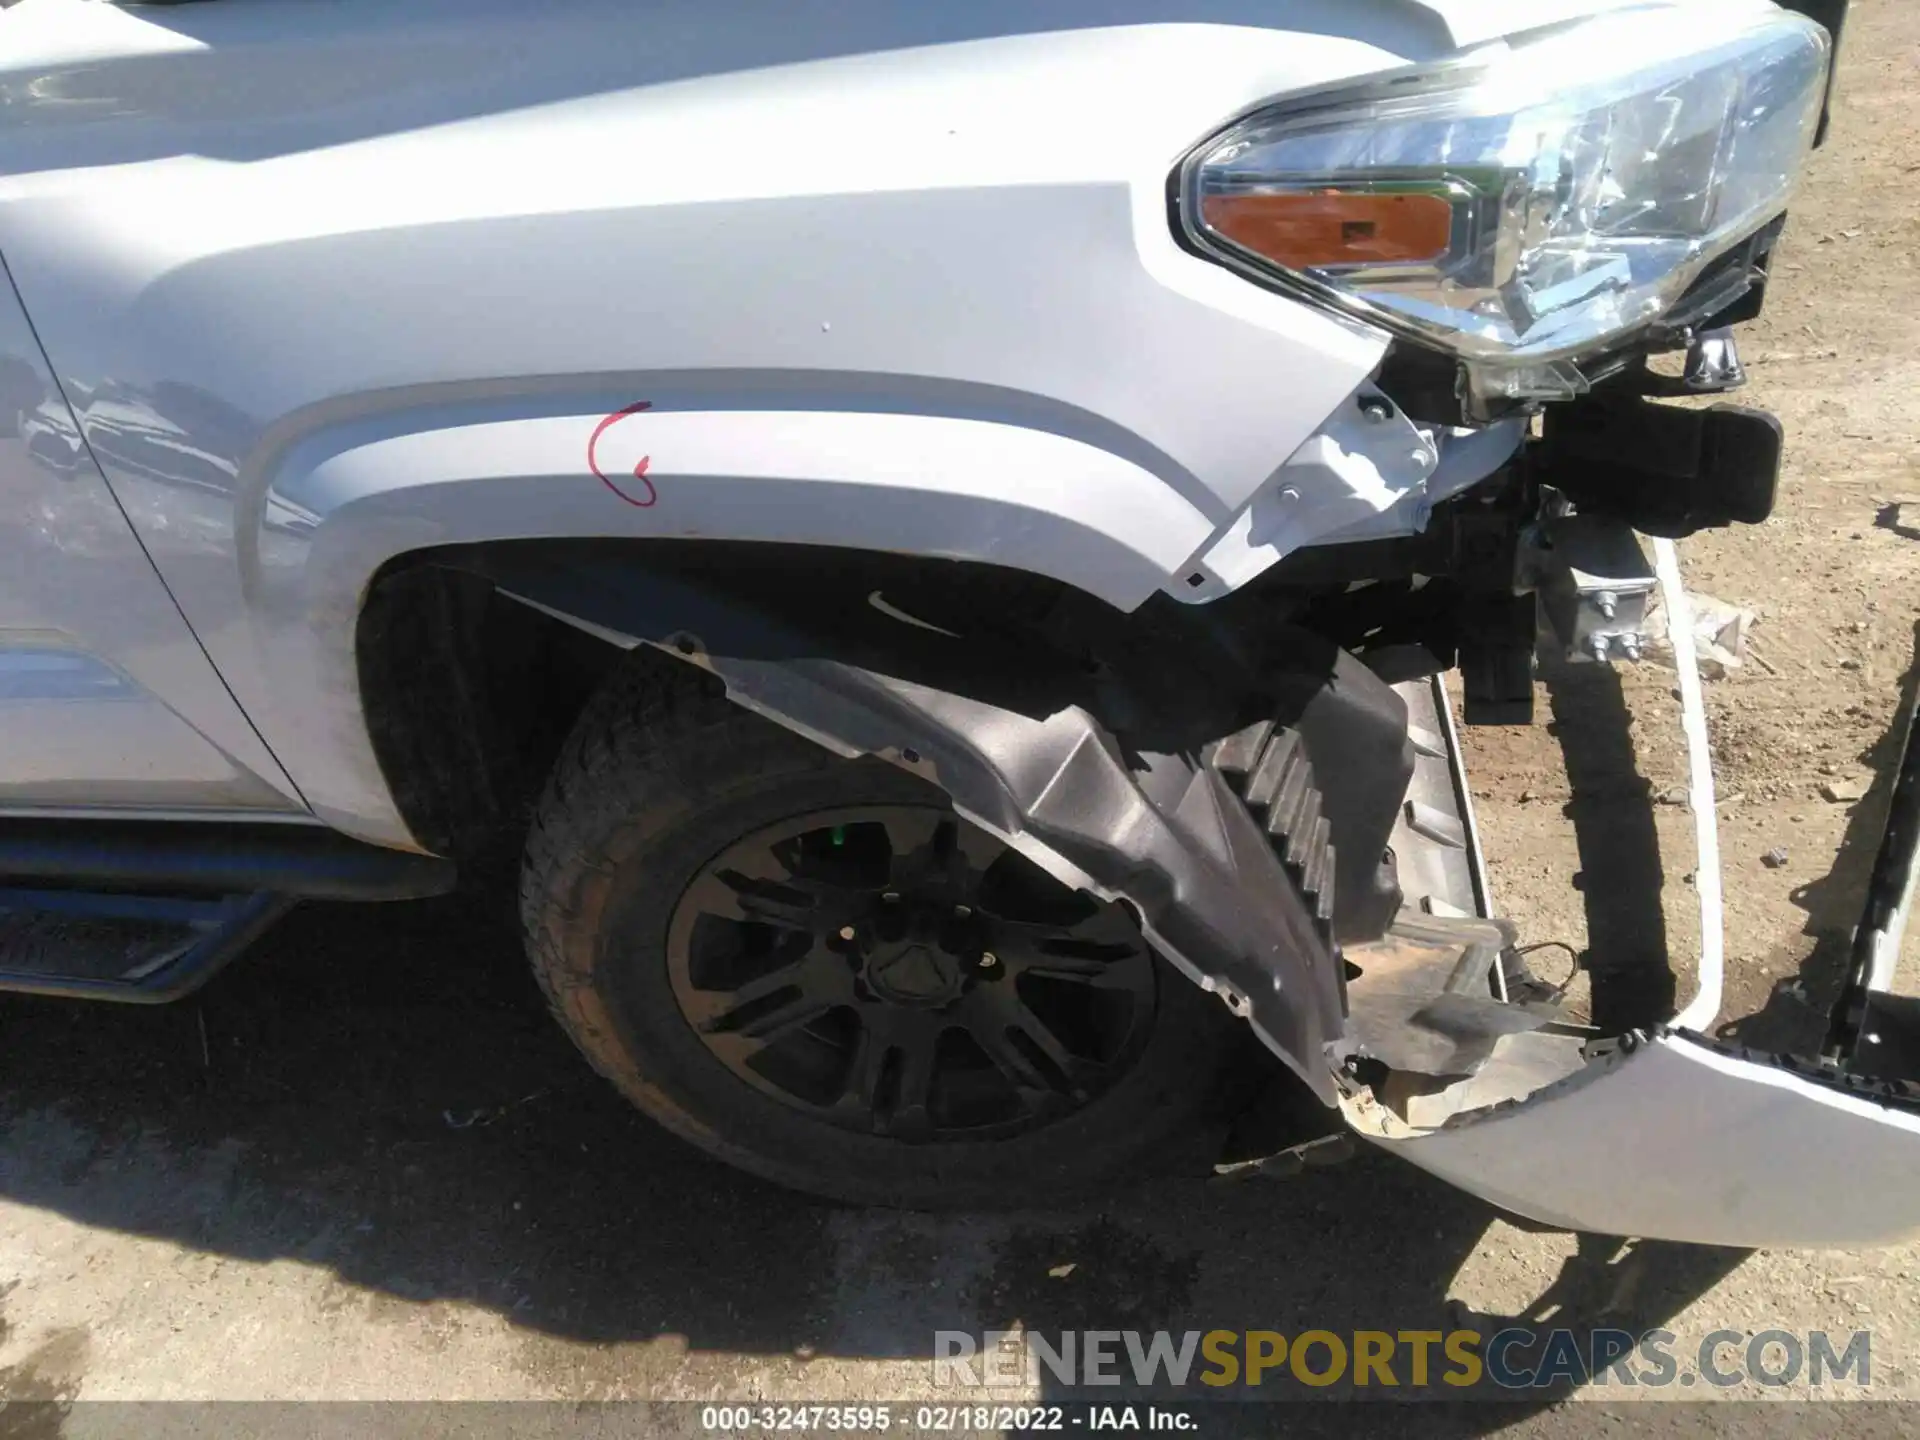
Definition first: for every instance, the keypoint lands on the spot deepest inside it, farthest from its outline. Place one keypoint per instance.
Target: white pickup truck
(935, 533)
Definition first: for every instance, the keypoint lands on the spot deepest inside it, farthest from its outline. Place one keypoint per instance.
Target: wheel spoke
(938, 845)
(1037, 1092)
(1103, 951)
(758, 863)
(1022, 1047)
(1095, 974)
(781, 1020)
(765, 893)
(1034, 1031)
(1108, 928)
(912, 1119)
(889, 1079)
(977, 847)
(917, 839)
(860, 1091)
(776, 1004)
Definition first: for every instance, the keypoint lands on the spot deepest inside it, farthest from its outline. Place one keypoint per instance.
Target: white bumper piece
(1665, 1134)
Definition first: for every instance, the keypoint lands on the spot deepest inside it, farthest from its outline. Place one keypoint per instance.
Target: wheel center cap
(914, 973)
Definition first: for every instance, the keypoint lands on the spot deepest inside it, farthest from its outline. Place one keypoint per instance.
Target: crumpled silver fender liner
(1211, 895)
(1156, 824)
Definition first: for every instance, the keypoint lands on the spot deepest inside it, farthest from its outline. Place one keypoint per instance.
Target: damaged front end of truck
(1262, 765)
(1289, 821)
(1136, 484)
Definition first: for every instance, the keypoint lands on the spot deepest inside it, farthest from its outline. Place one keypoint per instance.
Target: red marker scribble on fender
(639, 471)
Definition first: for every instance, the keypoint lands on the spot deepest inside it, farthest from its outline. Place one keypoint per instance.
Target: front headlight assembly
(1532, 201)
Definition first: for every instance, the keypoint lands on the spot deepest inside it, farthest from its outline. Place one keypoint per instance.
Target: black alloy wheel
(814, 969)
(894, 970)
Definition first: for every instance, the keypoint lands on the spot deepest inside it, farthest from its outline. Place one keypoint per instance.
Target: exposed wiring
(1559, 991)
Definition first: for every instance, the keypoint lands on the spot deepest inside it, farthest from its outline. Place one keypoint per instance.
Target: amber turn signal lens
(1309, 229)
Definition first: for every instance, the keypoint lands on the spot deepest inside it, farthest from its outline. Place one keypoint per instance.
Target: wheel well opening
(469, 693)
(468, 696)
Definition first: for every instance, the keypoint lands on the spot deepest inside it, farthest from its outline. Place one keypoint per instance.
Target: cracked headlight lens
(1532, 200)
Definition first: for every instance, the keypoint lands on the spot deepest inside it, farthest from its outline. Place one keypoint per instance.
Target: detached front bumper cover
(1666, 1134)
(1222, 848)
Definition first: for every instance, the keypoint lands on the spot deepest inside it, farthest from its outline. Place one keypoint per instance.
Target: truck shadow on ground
(1621, 876)
(380, 1092)
(1621, 872)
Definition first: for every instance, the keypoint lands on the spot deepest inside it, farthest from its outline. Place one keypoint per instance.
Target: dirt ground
(1833, 581)
(364, 1166)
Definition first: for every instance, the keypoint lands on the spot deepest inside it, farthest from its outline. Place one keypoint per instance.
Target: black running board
(308, 861)
(148, 911)
(138, 949)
